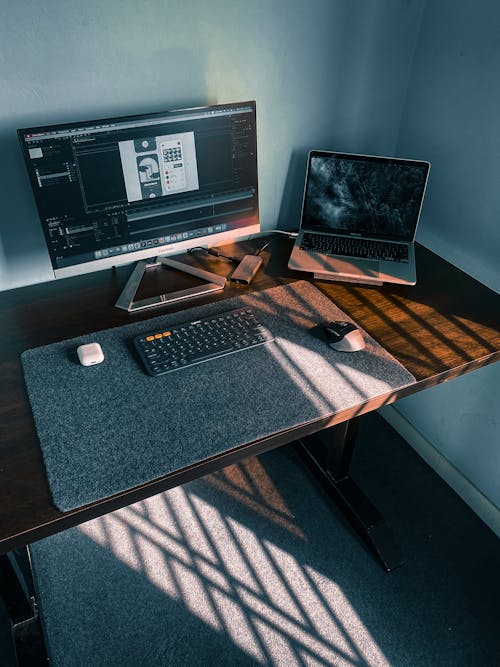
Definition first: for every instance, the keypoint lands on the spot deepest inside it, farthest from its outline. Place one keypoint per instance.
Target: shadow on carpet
(254, 565)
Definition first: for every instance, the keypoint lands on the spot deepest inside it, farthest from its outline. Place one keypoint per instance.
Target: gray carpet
(111, 427)
(254, 565)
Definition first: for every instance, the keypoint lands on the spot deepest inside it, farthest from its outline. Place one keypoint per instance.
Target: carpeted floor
(254, 565)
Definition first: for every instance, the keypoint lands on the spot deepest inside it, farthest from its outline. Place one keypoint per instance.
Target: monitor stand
(126, 301)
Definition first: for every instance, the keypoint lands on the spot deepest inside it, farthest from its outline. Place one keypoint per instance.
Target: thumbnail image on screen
(159, 165)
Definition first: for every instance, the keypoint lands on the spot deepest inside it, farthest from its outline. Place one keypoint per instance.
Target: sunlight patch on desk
(360, 379)
(436, 330)
(475, 329)
(311, 372)
(299, 371)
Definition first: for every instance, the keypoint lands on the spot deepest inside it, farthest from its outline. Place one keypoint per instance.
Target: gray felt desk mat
(110, 427)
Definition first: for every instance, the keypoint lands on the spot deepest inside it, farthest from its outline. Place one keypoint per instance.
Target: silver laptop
(359, 218)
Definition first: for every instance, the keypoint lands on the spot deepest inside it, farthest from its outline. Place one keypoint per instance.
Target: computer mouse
(90, 354)
(344, 337)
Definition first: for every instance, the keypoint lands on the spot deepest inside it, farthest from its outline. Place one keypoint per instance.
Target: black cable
(264, 247)
(275, 231)
(237, 260)
(215, 253)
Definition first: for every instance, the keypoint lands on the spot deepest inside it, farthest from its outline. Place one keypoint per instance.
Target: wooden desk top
(446, 325)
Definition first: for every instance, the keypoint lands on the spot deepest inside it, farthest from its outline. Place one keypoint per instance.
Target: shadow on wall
(21, 236)
(291, 201)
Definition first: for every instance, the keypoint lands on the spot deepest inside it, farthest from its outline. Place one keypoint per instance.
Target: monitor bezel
(165, 250)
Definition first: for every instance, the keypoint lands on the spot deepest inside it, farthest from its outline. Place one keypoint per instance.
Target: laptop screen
(361, 195)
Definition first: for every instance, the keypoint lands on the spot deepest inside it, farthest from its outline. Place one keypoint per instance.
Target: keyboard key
(347, 246)
(199, 341)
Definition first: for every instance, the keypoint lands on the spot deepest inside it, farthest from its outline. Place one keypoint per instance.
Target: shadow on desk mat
(110, 427)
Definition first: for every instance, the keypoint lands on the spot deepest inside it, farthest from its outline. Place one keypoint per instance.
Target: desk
(445, 326)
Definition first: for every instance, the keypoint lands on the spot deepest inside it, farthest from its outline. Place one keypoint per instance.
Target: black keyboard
(183, 345)
(354, 247)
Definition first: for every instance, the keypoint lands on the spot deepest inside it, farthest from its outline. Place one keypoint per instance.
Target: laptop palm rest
(350, 270)
(327, 267)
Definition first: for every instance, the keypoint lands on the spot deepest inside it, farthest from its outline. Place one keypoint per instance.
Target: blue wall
(327, 73)
(452, 118)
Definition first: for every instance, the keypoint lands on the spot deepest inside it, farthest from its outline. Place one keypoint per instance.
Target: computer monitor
(117, 190)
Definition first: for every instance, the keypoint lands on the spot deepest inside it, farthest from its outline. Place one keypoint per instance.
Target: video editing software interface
(112, 187)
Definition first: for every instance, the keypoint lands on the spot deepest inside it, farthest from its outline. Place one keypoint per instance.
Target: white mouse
(90, 354)
(344, 337)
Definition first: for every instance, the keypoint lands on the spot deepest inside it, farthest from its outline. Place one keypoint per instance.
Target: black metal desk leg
(20, 627)
(329, 453)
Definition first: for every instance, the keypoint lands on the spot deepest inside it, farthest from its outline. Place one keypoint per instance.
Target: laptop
(359, 218)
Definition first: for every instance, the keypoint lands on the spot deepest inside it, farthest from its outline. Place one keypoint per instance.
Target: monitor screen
(121, 189)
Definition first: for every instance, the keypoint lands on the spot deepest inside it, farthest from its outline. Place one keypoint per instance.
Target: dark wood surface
(446, 325)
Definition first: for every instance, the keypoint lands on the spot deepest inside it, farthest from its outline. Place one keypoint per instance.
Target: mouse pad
(106, 428)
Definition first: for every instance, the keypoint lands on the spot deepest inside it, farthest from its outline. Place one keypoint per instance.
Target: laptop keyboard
(184, 345)
(347, 246)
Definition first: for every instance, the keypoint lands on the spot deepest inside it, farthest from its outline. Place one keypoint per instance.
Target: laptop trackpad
(353, 267)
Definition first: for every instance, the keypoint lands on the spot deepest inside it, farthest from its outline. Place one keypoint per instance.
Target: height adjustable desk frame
(329, 454)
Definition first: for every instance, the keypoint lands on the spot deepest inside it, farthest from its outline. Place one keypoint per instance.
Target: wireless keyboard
(184, 345)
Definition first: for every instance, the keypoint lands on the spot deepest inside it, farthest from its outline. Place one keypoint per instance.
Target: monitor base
(126, 301)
